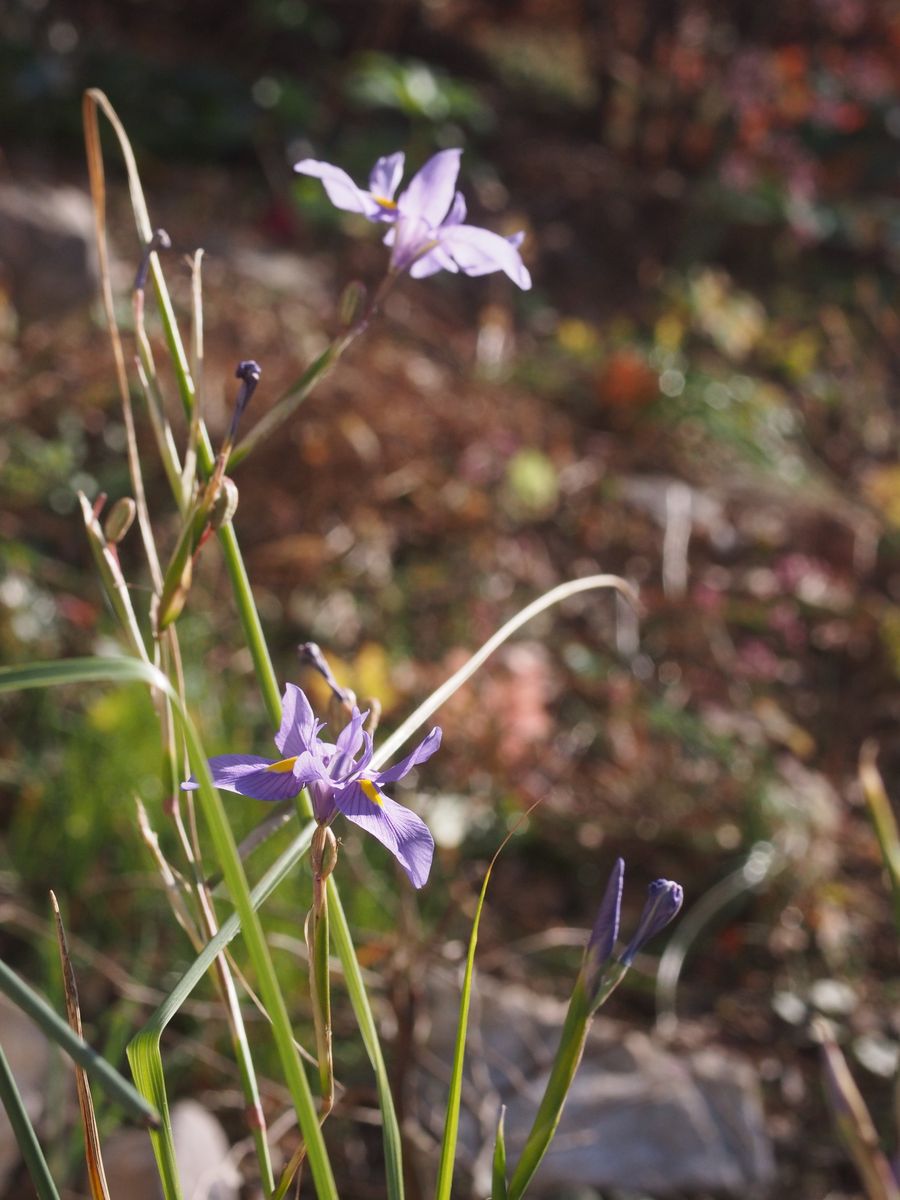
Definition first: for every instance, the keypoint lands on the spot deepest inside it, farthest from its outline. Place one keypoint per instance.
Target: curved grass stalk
(441, 695)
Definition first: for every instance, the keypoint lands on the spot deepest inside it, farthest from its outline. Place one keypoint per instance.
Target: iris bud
(119, 519)
(225, 505)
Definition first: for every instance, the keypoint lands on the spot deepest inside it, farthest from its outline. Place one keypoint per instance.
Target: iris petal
(340, 188)
(351, 736)
(386, 175)
(431, 189)
(249, 775)
(298, 723)
(396, 827)
(422, 752)
(479, 252)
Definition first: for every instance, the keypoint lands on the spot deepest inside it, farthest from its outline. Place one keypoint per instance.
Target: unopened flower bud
(249, 372)
(353, 299)
(664, 898)
(225, 505)
(119, 519)
(159, 241)
(323, 851)
(606, 927)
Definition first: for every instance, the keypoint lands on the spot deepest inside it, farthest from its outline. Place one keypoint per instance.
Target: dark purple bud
(159, 241)
(606, 927)
(248, 372)
(664, 899)
(311, 653)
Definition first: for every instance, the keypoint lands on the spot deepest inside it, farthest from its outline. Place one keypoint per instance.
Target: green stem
(252, 627)
(236, 882)
(565, 1064)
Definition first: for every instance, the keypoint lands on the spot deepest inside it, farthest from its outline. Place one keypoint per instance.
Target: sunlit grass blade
(92, 1152)
(883, 820)
(116, 1086)
(498, 1165)
(21, 1125)
(852, 1119)
(441, 695)
(454, 1098)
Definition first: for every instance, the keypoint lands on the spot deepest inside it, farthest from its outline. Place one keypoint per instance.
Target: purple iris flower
(338, 777)
(427, 230)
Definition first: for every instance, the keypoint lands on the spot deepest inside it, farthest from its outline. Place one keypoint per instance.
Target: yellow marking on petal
(284, 766)
(371, 791)
(384, 202)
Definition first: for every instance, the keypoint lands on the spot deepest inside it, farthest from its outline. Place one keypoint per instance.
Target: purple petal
(309, 768)
(413, 237)
(340, 188)
(401, 831)
(386, 175)
(298, 723)
(250, 775)
(423, 751)
(606, 927)
(457, 213)
(350, 739)
(430, 191)
(664, 899)
(479, 252)
(432, 262)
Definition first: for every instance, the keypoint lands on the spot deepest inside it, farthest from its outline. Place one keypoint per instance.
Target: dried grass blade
(93, 1155)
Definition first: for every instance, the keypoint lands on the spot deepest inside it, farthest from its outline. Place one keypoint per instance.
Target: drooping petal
(386, 175)
(479, 252)
(431, 189)
(298, 723)
(250, 775)
(422, 752)
(340, 188)
(401, 831)
(432, 262)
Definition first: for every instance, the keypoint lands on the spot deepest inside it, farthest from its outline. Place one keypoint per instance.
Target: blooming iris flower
(338, 777)
(427, 230)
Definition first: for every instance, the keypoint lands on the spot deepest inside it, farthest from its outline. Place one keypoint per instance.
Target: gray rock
(48, 258)
(640, 1117)
(201, 1151)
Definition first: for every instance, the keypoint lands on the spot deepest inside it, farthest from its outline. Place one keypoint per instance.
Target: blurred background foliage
(700, 393)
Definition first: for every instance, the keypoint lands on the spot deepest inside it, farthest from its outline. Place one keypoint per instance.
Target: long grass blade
(92, 1152)
(853, 1121)
(55, 1028)
(24, 1132)
(498, 1165)
(883, 820)
(454, 1099)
